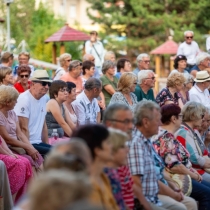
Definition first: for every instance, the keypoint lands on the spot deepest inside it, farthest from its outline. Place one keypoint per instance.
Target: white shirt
(99, 58)
(35, 110)
(58, 73)
(208, 44)
(85, 110)
(196, 94)
(189, 50)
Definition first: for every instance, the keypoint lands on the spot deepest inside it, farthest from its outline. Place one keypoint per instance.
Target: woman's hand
(32, 152)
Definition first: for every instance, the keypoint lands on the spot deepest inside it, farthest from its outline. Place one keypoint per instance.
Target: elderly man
(189, 48)
(86, 105)
(143, 62)
(202, 63)
(199, 92)
(6, 59)
(123, 65)
(148, 176)
(96, 49)
(74, 75)
(146, 81)
(31, 111)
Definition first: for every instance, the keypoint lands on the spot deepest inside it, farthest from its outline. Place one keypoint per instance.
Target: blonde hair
(7, 95)
(126, 81)
(3, 72)
(117, 138)
(193, 111)
(175, 79)
(63, 57)
(55, 190)
(107, 55)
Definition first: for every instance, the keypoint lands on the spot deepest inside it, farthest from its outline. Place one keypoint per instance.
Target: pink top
(9, 123)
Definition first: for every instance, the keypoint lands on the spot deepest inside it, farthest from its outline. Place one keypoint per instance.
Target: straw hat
(202, 76)
(40, 75)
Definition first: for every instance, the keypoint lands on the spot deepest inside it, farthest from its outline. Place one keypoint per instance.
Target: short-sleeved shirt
(140, 94)
(9, 123)
(165, 95)
(106, 81)
(78, 81)
(35, 110)
(20, 88)
(116, 187)
(85, 110)
(126, 183)
(141, 162)
(118, 97)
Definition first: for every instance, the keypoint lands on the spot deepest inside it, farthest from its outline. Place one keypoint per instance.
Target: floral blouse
(171, 150)
(165, 95)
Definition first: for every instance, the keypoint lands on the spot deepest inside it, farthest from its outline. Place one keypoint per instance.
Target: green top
(106, 81)
(140, 94)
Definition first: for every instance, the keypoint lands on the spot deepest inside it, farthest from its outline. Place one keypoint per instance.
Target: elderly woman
(10, 128)
(109, 81)
(57, 116)
(6, 77)
(23, 72)
(193, 114)
(71, 97)
(170, 94)
(126, 87)
(175, 155)
(64, 60)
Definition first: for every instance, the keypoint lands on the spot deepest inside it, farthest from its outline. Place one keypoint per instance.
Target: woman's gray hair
(92, 83)
(142, 75)
(201, 56)
(143, 110)
(186, 32)
(188, 78)
(141, 56)
(193, 111)
(63, 57)
(107, 65)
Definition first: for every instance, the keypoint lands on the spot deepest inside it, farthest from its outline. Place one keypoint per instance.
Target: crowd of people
(97, 135)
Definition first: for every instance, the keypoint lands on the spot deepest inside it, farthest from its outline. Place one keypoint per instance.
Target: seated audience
(10, 128)
(6, 59)
(31, 111)
(64, 60)
(96, 137)
(109, 81)
(74, 75)
(120, 151)
(193, 114)
(176, 158)
(71, 97)
(202, 63)
(146, 81)
(86, 105)
(199, 92)
(123, 65)
(6, 77)
(57, 116)
(23, 72)
(18, 169)
(146, 166)
(170, 94)
(54, 190)
(126, 87)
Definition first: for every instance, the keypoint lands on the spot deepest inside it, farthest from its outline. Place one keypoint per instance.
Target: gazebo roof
(67, 33)
(169, 47)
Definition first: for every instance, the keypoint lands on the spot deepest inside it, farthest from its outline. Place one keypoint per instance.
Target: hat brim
(200, 80)
(41, 80)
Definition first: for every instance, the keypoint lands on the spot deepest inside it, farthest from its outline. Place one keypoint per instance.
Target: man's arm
(45, 133)
(23, 122)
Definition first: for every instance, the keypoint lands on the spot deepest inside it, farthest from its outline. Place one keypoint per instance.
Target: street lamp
(8, 2)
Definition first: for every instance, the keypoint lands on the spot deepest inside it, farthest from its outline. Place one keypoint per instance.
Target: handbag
(181, 181)
(18, 150)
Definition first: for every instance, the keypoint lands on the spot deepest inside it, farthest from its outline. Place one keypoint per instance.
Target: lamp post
(8, 2)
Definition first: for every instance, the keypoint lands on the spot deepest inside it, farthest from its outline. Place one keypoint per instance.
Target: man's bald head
(88, 57)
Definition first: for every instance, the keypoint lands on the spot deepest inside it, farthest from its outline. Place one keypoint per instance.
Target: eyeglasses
(43, 83)
(146, 61)
(189, 37)
(126, 121)
(69, 60)
(180, 116)
(152, 78)
(64, 90)
(26, 76)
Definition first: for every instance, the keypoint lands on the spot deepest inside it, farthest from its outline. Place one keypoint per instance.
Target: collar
(85, 98)
(198, 89)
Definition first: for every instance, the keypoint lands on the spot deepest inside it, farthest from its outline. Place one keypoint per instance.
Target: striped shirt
(126, 185)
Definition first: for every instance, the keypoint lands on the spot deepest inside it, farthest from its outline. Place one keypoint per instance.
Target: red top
(20, 88)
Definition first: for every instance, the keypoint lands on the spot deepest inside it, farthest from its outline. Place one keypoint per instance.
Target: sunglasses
(189, 37)
(79, 64)
(69, 60)
(43, 83)
(26, 76)
(64, 90)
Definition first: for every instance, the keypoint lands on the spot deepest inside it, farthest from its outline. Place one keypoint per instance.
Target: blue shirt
(136, 71)
(118, 75)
